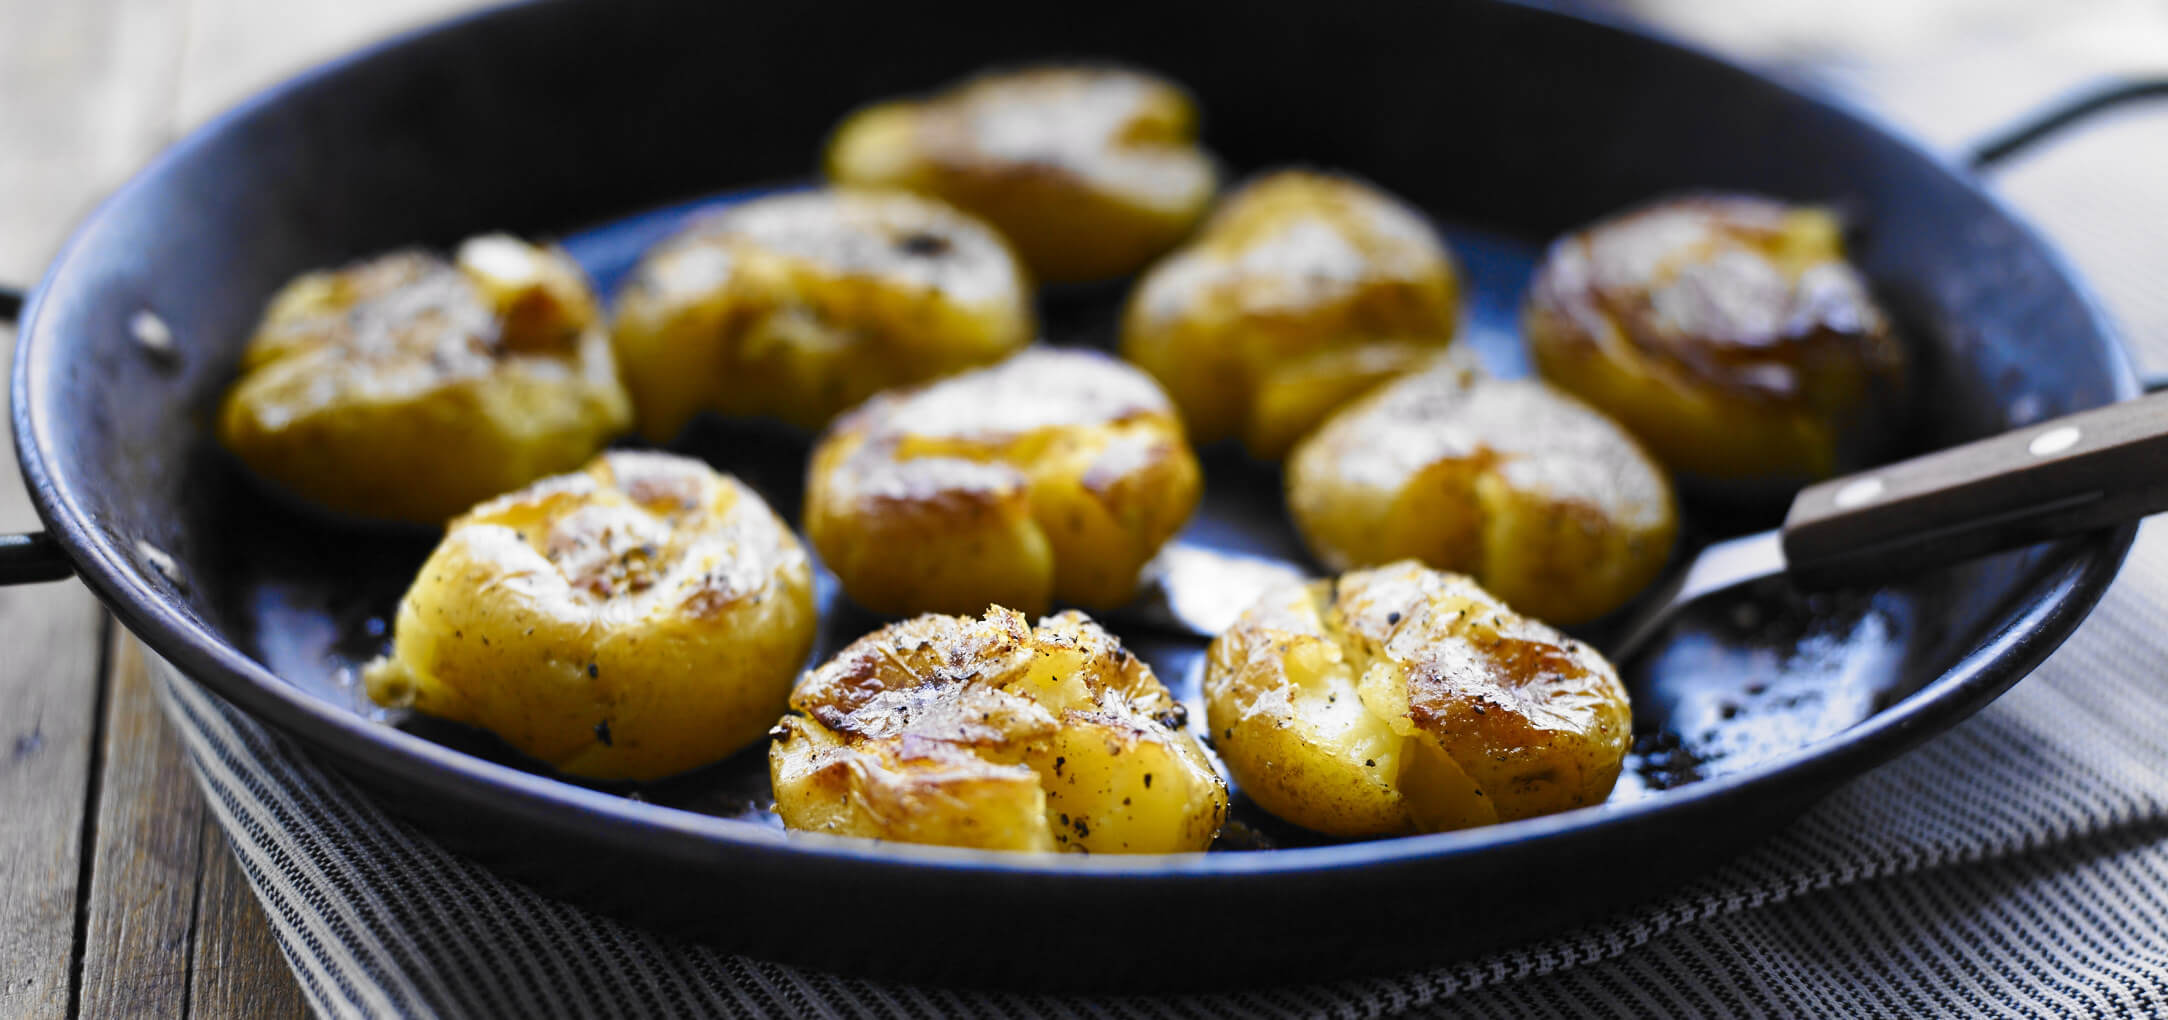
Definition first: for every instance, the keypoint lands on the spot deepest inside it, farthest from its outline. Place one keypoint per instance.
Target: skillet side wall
(544, 118)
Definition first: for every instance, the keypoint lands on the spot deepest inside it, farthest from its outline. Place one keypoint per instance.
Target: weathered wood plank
(85, 92)
(48, 694)
(238, 969)
(147, 856)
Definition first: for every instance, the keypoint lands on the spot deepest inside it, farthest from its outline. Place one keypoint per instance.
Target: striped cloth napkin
(2017, 866)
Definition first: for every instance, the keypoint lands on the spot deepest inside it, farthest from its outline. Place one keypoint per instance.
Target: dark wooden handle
(2089, 470)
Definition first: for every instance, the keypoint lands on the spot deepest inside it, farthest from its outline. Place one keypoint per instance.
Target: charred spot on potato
(923, 244)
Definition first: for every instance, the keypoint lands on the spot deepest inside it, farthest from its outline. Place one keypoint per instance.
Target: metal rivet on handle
(2054, 441)
(1859, 493)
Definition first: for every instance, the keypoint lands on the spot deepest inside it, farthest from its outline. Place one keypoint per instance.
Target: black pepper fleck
(922, 243)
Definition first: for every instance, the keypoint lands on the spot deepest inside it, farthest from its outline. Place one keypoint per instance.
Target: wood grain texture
(147, 857)
(48, 695)
(238, 970)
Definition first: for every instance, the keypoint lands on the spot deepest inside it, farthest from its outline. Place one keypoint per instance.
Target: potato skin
(633, 620)
(1053, 475)
(995, 734)
(1549, 504)
(1725, 331)
(799, 305)
(1089, 171)
(1303, 291)
(410, 388)
(1404, 699)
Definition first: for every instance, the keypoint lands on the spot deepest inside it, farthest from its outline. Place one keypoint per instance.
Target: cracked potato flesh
(1549, 504)
(1727, 332)
(796, 306)
(995, 734)
(410, 388)
(1054, 475)
(1089, 171)
(1303, 291)
(631, 620)
(1403, 700)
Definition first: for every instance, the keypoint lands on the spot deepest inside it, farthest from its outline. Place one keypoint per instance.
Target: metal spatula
(2072, 474)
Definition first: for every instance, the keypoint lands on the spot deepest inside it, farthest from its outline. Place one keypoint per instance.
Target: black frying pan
(599, 122)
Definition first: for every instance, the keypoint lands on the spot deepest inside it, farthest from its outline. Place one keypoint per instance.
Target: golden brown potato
(1548, 503)
(991, 733)
(797, 306)
(410, 388)
(1090, 171)
(1727, 332)
(1300, 293)
(632, 620)
(1404, 699)
(1053, 475)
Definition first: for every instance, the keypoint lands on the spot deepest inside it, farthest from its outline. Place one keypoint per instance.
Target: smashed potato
(1090, 171)
(995, 734)
(797, 306)
(1727, 332)
(1301, 292)
(1403, 699)
(1548, 503)
(1052, 475)
(410, 388)
(632, 620)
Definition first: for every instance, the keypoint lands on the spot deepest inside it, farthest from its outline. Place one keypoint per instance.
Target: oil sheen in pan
(1736, 684)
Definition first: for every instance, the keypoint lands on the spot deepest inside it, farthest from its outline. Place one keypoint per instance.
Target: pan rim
(2083, 569)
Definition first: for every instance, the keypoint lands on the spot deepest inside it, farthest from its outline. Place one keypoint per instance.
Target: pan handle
(33, 557)
(2087, 470)
(2060, 114)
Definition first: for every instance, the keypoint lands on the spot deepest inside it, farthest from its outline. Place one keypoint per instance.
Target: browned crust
(1821, 323)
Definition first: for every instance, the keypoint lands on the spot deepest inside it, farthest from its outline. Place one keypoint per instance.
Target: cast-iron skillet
(1510, 124)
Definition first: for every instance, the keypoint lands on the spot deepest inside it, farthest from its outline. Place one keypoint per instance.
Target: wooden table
(118, 895)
